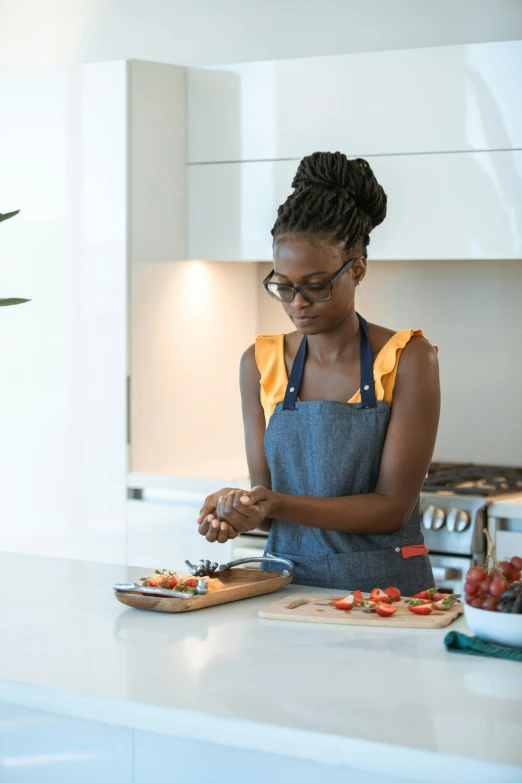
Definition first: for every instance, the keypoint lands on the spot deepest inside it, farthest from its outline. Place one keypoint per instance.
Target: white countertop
(313, 691)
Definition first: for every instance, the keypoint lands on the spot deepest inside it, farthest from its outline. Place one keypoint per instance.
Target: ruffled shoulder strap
(387, 362)
(270, 360)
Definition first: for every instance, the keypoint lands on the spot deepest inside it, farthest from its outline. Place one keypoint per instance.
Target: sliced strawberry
(446, 602)
(369, 606)
(345, 603)
(358, 596)
(191, 582)
(426, 594)
(417, 601)
(153, 581)
(420, 609)
(393, 594)
(386, 610)
(377, 595)
(438, 596)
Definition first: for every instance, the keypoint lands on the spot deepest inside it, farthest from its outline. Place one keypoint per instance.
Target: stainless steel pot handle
(269, 558)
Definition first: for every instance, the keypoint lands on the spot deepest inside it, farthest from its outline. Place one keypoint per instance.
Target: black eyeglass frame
(298, 289)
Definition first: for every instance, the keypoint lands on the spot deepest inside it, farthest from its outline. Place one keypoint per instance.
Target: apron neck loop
(367, 385)
(296, 377)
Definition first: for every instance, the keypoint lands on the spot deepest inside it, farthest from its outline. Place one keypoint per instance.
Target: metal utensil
(207, 568)
(153, 591)
(269, 558)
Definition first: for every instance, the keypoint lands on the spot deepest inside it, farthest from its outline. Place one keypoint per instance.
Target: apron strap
(367, 384)
(296, 377)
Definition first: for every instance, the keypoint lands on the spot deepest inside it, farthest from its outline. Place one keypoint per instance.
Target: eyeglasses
(312, 292)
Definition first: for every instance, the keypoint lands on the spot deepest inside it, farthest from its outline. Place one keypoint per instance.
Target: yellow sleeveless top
(270, 360)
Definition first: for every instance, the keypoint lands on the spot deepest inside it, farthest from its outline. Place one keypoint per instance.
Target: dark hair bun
(333, 171)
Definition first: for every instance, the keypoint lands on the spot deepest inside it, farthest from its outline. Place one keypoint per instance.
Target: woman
(350, 409)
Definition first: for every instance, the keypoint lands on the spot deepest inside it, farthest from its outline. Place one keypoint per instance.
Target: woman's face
(297, 261)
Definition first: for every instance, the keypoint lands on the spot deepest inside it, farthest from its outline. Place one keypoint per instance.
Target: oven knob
(433, 518)
(458, 520)
(427, 517)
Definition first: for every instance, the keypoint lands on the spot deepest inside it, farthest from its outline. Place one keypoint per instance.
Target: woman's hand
(229, 512)
(215, 530)
(244, 511)
(208, 523)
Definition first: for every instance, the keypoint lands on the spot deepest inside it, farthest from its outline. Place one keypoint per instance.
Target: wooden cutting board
(240, 583)
(316, 608)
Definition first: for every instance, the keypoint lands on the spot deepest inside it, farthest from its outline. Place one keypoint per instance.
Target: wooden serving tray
(317, 608)
(240, 583)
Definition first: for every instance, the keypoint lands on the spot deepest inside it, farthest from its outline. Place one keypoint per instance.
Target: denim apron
(330, 449)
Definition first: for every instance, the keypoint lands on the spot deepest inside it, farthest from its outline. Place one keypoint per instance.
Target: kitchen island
(92, 690)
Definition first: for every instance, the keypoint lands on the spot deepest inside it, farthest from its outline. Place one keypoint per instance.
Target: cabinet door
(447, 206)
(36, 747)
(440, 99)
(63, 160)
(163, 535)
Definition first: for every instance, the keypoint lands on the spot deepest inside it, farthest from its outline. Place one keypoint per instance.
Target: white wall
(62, 395)
(471, 310)
(191, 321)
(206, 32)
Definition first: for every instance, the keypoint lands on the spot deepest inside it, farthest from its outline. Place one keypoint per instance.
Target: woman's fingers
(227, 513)
(256, 495)
(212, 529)
(215, 530)
(225, 533)
(204, 525)
(231, 503)
(208, 507)
(250, 512)
(210, 504)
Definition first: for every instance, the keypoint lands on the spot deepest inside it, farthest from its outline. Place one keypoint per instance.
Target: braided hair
(335, 197)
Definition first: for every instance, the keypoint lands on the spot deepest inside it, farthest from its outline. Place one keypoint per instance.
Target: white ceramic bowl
(495, 627)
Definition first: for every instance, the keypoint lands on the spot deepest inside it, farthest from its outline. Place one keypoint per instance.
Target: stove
(454, 511)
(470, 479)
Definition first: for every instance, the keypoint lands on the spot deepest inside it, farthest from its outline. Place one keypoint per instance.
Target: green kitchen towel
(472, 645)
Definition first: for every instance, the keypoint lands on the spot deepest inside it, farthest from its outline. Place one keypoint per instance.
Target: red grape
(484, 586)
(469, 598)
(515, 575)
(476, 574)
(477, 603)
(490, 603)
(471, 587)
(505, 567)
(498, 585)
(516, 562)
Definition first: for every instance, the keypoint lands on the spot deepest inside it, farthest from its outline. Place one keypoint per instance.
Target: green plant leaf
(12, 301)
(8, 215)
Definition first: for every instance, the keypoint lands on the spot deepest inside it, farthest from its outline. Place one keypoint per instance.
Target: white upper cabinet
(94, 157)
(63, 157)
(445, 99)
(446, 206)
